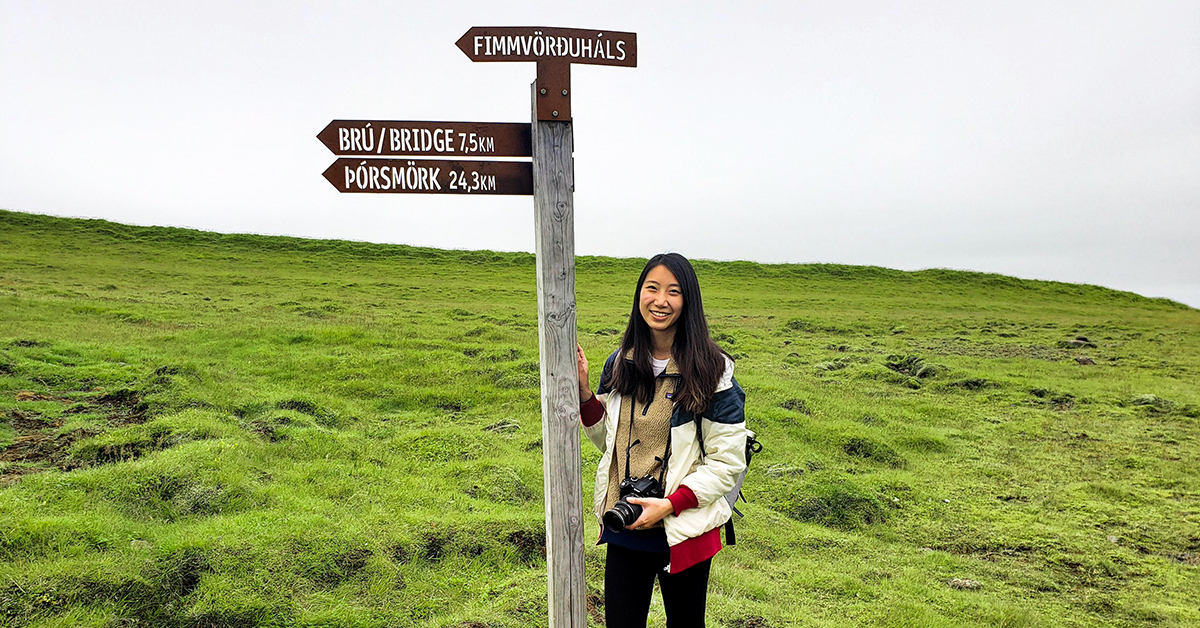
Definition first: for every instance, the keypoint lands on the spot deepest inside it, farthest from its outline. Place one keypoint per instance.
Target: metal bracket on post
(553, 91)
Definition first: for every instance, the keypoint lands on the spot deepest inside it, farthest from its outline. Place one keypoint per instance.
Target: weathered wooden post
(551, 180)
(554, 223)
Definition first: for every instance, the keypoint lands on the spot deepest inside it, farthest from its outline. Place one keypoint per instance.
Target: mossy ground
(231, 430)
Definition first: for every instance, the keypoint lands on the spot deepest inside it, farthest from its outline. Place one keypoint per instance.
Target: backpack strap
(752, 447)
(606, 374)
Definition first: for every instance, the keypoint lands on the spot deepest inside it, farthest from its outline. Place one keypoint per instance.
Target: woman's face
(661, 299)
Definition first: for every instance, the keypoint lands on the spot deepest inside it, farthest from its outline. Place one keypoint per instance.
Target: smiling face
(661, 299)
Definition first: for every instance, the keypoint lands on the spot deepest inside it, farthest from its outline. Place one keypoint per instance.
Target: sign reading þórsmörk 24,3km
(550, 178)
(430, 176)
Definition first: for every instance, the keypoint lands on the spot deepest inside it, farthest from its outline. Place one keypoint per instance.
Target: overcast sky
(1048, 140)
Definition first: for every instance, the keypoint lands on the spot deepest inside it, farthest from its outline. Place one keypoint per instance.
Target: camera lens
(622, 514)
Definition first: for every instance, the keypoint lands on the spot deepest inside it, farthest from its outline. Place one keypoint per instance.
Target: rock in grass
(964, 584)
(1084, 360)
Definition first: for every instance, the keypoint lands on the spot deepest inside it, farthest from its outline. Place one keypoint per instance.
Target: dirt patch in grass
(123, 407)
(35, 448)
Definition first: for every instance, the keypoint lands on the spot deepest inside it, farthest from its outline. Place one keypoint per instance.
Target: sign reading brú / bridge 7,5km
(550, 178)
(465, 139)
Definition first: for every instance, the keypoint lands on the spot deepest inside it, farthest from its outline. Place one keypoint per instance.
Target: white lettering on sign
(411, 138)
(421, 140)
(540, 45)
(409, 177)
(472, 181)
(359, 140)
(470, 143)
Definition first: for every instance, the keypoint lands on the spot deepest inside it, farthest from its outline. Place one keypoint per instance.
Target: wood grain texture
(554, 223)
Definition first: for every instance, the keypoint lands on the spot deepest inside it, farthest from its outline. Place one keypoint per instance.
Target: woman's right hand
(585, 390)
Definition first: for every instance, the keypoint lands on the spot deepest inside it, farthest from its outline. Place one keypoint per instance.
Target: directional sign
(430, 176)
(554, 50)
(467, 139)
(535, 43)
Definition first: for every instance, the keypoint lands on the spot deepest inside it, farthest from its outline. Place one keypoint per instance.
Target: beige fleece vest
(651, 426)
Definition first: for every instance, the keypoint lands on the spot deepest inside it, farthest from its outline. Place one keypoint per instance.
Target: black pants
(629, 582)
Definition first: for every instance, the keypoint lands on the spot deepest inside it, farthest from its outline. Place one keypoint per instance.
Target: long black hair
(700, 361)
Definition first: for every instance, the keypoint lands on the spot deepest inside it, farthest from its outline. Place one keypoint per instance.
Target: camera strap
(629, 445)
(662, 473)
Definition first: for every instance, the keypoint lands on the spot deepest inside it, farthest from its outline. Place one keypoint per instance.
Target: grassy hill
(228, 430)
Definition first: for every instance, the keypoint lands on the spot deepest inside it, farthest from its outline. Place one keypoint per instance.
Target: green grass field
(229, 430)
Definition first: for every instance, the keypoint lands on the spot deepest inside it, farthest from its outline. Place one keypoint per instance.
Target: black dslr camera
(623, 513)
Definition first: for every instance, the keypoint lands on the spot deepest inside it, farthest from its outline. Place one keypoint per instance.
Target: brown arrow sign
(430, 176)
(535, 43)
(466, 139)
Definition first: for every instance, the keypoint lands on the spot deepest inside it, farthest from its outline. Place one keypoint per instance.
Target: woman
(667, 408)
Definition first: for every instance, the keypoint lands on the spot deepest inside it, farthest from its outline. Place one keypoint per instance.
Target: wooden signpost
(549, 140)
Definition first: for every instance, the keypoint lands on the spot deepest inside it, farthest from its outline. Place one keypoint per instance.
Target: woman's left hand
(653, 510)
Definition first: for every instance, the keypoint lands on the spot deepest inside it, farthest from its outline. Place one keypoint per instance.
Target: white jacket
(710, 473)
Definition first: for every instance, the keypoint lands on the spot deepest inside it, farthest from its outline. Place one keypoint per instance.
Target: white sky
(1043, 140)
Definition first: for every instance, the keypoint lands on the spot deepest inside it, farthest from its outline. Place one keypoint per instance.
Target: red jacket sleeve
(591, 412)
(683, 498)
